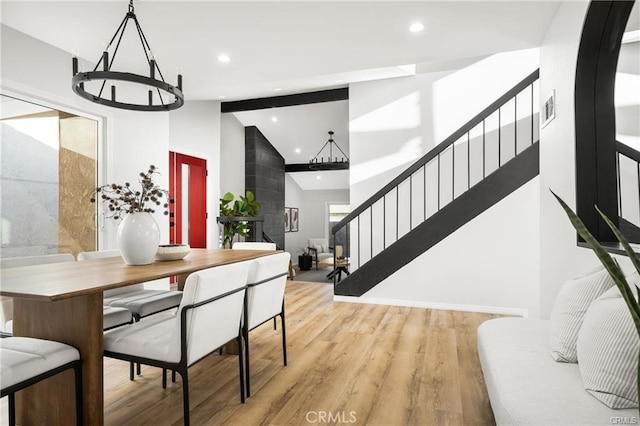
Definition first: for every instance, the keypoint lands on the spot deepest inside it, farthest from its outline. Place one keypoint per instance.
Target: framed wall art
(294, 220)
(287, 219)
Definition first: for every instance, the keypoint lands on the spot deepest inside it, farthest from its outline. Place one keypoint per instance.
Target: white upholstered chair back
(213, 324)
(250, 245)
(6, 303)
(103, 254)
(264, 301)
(16, 262)
(319, 243)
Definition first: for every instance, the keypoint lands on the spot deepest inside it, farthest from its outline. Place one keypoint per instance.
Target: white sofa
(527, 387)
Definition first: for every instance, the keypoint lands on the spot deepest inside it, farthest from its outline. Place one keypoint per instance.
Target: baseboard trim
(519, 312)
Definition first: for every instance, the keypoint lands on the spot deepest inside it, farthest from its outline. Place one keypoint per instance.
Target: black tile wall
(264, 176)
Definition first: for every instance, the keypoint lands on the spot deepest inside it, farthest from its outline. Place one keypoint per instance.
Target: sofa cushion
(568, 311)
(526, 386)
(608, 347)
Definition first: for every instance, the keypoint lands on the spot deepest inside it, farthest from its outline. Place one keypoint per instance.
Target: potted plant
(138, 232)
(236, 215)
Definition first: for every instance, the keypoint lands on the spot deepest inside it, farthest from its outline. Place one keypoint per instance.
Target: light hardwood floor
(348, 364)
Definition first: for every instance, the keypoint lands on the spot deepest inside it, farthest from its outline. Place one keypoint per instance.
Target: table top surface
(57, 281)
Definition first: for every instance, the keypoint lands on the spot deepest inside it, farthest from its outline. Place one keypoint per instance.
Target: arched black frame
(596, 172)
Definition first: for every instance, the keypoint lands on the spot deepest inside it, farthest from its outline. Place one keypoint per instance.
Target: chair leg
(164, 378)
(275, 324)
(185, 396)
(173, 376)
(245, 335)
(284, 336)
(242, 373)
(77, 370)
(12, 409)
(131, 371)
(136, 318)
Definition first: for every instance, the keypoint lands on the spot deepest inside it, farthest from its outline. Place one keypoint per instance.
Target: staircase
(492, 155)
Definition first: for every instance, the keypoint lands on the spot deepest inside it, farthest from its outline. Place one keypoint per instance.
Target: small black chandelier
(332, 163)
(163, 89)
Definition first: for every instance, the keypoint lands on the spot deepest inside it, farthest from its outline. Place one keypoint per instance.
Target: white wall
(195, 131)
(231, 155)
(489, 265)
(36, 71)
(390, 126)
(462, 95)
(294, 242)
(560, 258)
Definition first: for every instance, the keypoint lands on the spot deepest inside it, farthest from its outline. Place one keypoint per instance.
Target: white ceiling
(282, 47)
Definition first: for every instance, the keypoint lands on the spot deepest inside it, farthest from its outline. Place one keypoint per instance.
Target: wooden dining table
(63, 302)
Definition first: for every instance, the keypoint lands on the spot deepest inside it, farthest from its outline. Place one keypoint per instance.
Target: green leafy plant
(245, 206)
(610, 263)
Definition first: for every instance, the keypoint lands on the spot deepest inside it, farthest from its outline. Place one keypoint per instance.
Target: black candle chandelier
(330, 162)
(162, 88)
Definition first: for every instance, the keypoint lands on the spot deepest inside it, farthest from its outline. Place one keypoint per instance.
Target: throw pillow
(568, 312)
(608, 346)
(318, 248)
(325, 248)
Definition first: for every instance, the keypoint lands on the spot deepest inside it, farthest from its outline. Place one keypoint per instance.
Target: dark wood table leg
(78, 322)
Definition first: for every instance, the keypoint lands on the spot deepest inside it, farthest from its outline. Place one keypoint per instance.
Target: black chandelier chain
(79, 78)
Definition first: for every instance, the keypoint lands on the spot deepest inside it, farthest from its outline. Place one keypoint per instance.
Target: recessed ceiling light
(221, 97)
(298, 151)
(416, 27)
(318, 177)
(224, 58)
(274, 119)
(277, 89)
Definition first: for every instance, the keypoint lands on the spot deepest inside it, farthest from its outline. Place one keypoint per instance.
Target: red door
(188, 187)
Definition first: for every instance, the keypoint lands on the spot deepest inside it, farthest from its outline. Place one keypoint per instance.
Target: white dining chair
(265, 300)
(112, 316)
(140, 301)
(25, 361)
(253, 245)
(257, 245)
(136, 298)
(209, 316)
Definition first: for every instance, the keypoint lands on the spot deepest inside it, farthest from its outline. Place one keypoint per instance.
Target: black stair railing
(628, 165)
(500, 132)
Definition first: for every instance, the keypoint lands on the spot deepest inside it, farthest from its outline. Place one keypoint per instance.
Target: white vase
(138, 238)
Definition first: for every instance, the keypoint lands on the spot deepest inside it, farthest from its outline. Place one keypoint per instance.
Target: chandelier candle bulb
(152, 68)
(180, 82)
(105, 60)
(113, 93)
(150, 97)
(74, 64)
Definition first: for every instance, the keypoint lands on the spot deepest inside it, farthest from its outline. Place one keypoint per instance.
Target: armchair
(319, 249)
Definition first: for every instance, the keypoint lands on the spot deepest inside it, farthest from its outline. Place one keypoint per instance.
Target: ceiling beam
(330, 95)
